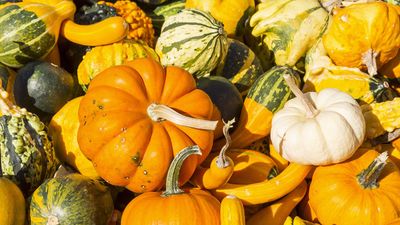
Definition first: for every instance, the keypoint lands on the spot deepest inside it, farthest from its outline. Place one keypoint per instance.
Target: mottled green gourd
(71, 199)
(27, 155)
(193, 40)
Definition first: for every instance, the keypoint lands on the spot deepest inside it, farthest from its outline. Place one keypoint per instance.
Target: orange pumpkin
(363, 190)
(134, 118)
(174, 206)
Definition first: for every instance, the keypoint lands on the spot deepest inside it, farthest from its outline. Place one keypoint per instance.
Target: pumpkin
(354, 40)
(30, 30)
(318, 128)
(221, 167)
(193, 40)
(71, 199)
(100, 58)
(304, 209)
(322, 73)
(289, 28)
(232, 13)
(12, 212)
(142, 115)
(267, 95)
(232, 211)
(363, 190)
(241, 66)
(180, 206)
(42, 87)
(63, 129)
(391, 70)
(277, 212)
(26, 152)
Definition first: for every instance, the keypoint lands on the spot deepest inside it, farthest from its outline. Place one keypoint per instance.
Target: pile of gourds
(200, 112)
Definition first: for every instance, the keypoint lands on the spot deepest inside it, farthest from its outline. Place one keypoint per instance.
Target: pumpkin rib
(171, 92)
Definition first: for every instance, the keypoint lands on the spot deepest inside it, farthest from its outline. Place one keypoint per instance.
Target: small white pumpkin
(318, 128)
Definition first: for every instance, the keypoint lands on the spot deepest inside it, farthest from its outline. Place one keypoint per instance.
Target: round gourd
(42, 87)
(223, 94)
(63, 129)
(241, 66)
(318, 128)
(12, 211)
(366, 42)
(72, 199)
(30, 30)
(363, 190)
(134, 118)
(26, 152)
(193, 40)
(102, 57)
(181, 207)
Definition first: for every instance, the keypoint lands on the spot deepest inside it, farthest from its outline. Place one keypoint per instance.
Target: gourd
(232, 13)
(152, 2)
(71, 199)
(190, 205)
(130, 127)
(391, 70)
(297, 221)
(30, 30)
(289, 27)
(7, 78)
(277, 212)
(26, 152)
(321, 73)
(12, 212)
(367, 43)
(361, 185)
(241, 66)
(42, 87)
(221, 167)
(63, 129)
(232, 211)
(193, 40)
(267, 95)
(161, 12)
(100, 58)
(318, 128)
(394, 2)
(381, 117)
(267, 190)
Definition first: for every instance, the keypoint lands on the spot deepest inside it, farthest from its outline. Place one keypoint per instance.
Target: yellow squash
(232, 211)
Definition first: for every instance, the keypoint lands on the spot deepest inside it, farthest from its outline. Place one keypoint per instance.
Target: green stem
(222, 162)
(172, 186)
(368, 178)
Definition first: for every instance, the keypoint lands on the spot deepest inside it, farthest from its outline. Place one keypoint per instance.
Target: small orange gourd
(180, 207)
(221, 167)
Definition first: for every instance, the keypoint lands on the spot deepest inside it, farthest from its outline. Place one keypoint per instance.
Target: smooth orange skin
(126, 147)
(337, 198)
(195, 207)
(359, 27)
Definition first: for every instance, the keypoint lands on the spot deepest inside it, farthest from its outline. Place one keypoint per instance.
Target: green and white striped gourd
(71, 199)
(193, 40)
(241, 66)
(289, 27)
(27, 155)
(394, 2)
(29, 31)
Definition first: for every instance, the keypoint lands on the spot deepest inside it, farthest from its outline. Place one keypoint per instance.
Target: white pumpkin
(318, 128)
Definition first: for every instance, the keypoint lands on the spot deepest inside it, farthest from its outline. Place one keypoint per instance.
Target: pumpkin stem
(369, 59)
(311, 111)
(159, 113)
(52, 220)
(222, 162)
(7, 107)
(368, 178)
(172, 186)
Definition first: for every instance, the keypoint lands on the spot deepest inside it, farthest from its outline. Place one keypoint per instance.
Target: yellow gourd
(12, 210)
(232, 211)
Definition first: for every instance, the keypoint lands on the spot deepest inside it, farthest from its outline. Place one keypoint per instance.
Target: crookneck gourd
(135, 117)
(26, 153)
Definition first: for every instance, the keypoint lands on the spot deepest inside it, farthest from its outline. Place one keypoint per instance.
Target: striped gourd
(161, 12)
(29, 31)
(102, 57)
(267, 95)
(26, 153)
(194, 40)
(289, 27)
(241, 66)
(7, 78)
(394, 2)
(71, 199)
